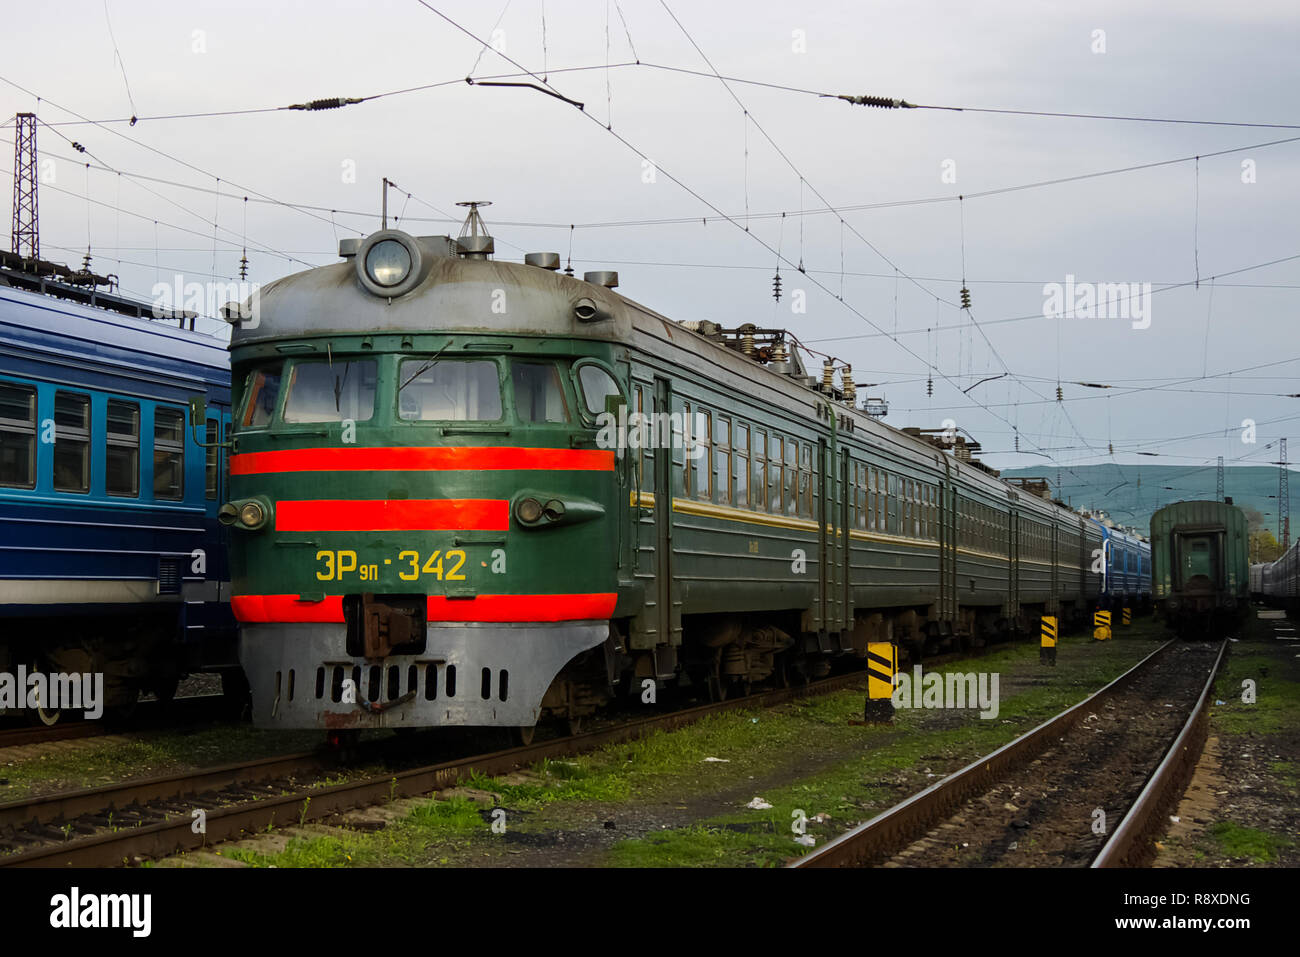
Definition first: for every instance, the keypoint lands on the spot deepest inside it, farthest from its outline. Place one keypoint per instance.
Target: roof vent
(605, 277)
(543, 260)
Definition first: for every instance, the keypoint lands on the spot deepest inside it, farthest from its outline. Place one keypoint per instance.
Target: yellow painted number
(414, 558)
(336, 564)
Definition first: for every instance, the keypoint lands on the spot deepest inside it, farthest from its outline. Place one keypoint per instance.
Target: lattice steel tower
(26, 237)
(1218, 482)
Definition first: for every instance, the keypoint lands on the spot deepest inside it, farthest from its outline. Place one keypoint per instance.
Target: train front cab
(422, 535)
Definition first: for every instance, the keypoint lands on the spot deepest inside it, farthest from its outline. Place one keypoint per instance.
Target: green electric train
(473, 492)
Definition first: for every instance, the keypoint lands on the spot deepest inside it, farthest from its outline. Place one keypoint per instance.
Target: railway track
(149, 819)
(1044, 798)
(149, 715)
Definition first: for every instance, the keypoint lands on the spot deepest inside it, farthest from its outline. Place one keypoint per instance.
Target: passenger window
(791, 476)
(71, 442)
(722, 459)
(758, 487)
(806, 481)
(17, 436)
(539, 395)
(122, 452)
(321, 391)
(168, 454)
(430, 390)
(596, 385)
(742, 465)
(775, 457)
(699, 459)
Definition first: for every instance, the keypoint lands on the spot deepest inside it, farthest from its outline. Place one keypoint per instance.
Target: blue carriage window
(122, 454)
(17, 436)
(168, 454)
(321, 391)
(71, 442)
(431, 390)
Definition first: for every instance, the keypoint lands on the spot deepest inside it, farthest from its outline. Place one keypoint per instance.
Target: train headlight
(528, 511)
(252, 514)
(228, 514)
(388, 262)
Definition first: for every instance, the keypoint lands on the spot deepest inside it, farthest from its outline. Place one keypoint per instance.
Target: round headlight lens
(252, 515)
(388, 262)
(529, 510)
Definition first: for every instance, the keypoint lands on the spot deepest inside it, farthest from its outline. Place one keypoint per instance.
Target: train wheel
(522, 736)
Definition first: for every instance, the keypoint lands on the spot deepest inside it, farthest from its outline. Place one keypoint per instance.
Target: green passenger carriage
(1200, 570)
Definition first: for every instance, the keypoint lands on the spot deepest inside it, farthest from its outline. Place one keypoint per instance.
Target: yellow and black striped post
(1047, 650)
(1128, 616)
(1101, 625)
(882, 665)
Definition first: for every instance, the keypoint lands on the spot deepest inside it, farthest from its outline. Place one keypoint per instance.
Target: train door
(667, 617)
(947, 547)
(1013, 553)
(1054, 599)
(844, 609)
(825, 515)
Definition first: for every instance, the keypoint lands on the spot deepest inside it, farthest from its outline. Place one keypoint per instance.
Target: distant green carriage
(1200, 568)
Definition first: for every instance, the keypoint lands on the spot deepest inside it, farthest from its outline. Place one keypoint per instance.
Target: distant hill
(1131, 493)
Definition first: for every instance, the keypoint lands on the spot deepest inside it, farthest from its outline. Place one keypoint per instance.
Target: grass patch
(94, 762)
(1276, 698)
(1260, 846)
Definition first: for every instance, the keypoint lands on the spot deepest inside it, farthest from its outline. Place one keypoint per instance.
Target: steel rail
(149, 718)
(1130, 845)
(314, 803)
(903, 821)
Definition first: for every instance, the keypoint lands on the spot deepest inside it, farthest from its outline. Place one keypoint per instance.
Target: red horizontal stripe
(278, 608)
(385, 515)
(522, 607)
(416, 459)
(289, 608)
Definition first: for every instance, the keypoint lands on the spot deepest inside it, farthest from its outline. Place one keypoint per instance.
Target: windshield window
(539, 396)
(263, 390)
(449, 390)
(321, 391)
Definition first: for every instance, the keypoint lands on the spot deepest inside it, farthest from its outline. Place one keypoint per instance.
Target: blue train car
(1127, 556)
(111, 557)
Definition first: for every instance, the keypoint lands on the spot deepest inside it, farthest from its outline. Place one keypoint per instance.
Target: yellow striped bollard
(1101, 625)
(1047, 649)
(882, 665)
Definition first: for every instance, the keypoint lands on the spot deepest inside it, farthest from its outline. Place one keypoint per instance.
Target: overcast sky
(541, 161)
